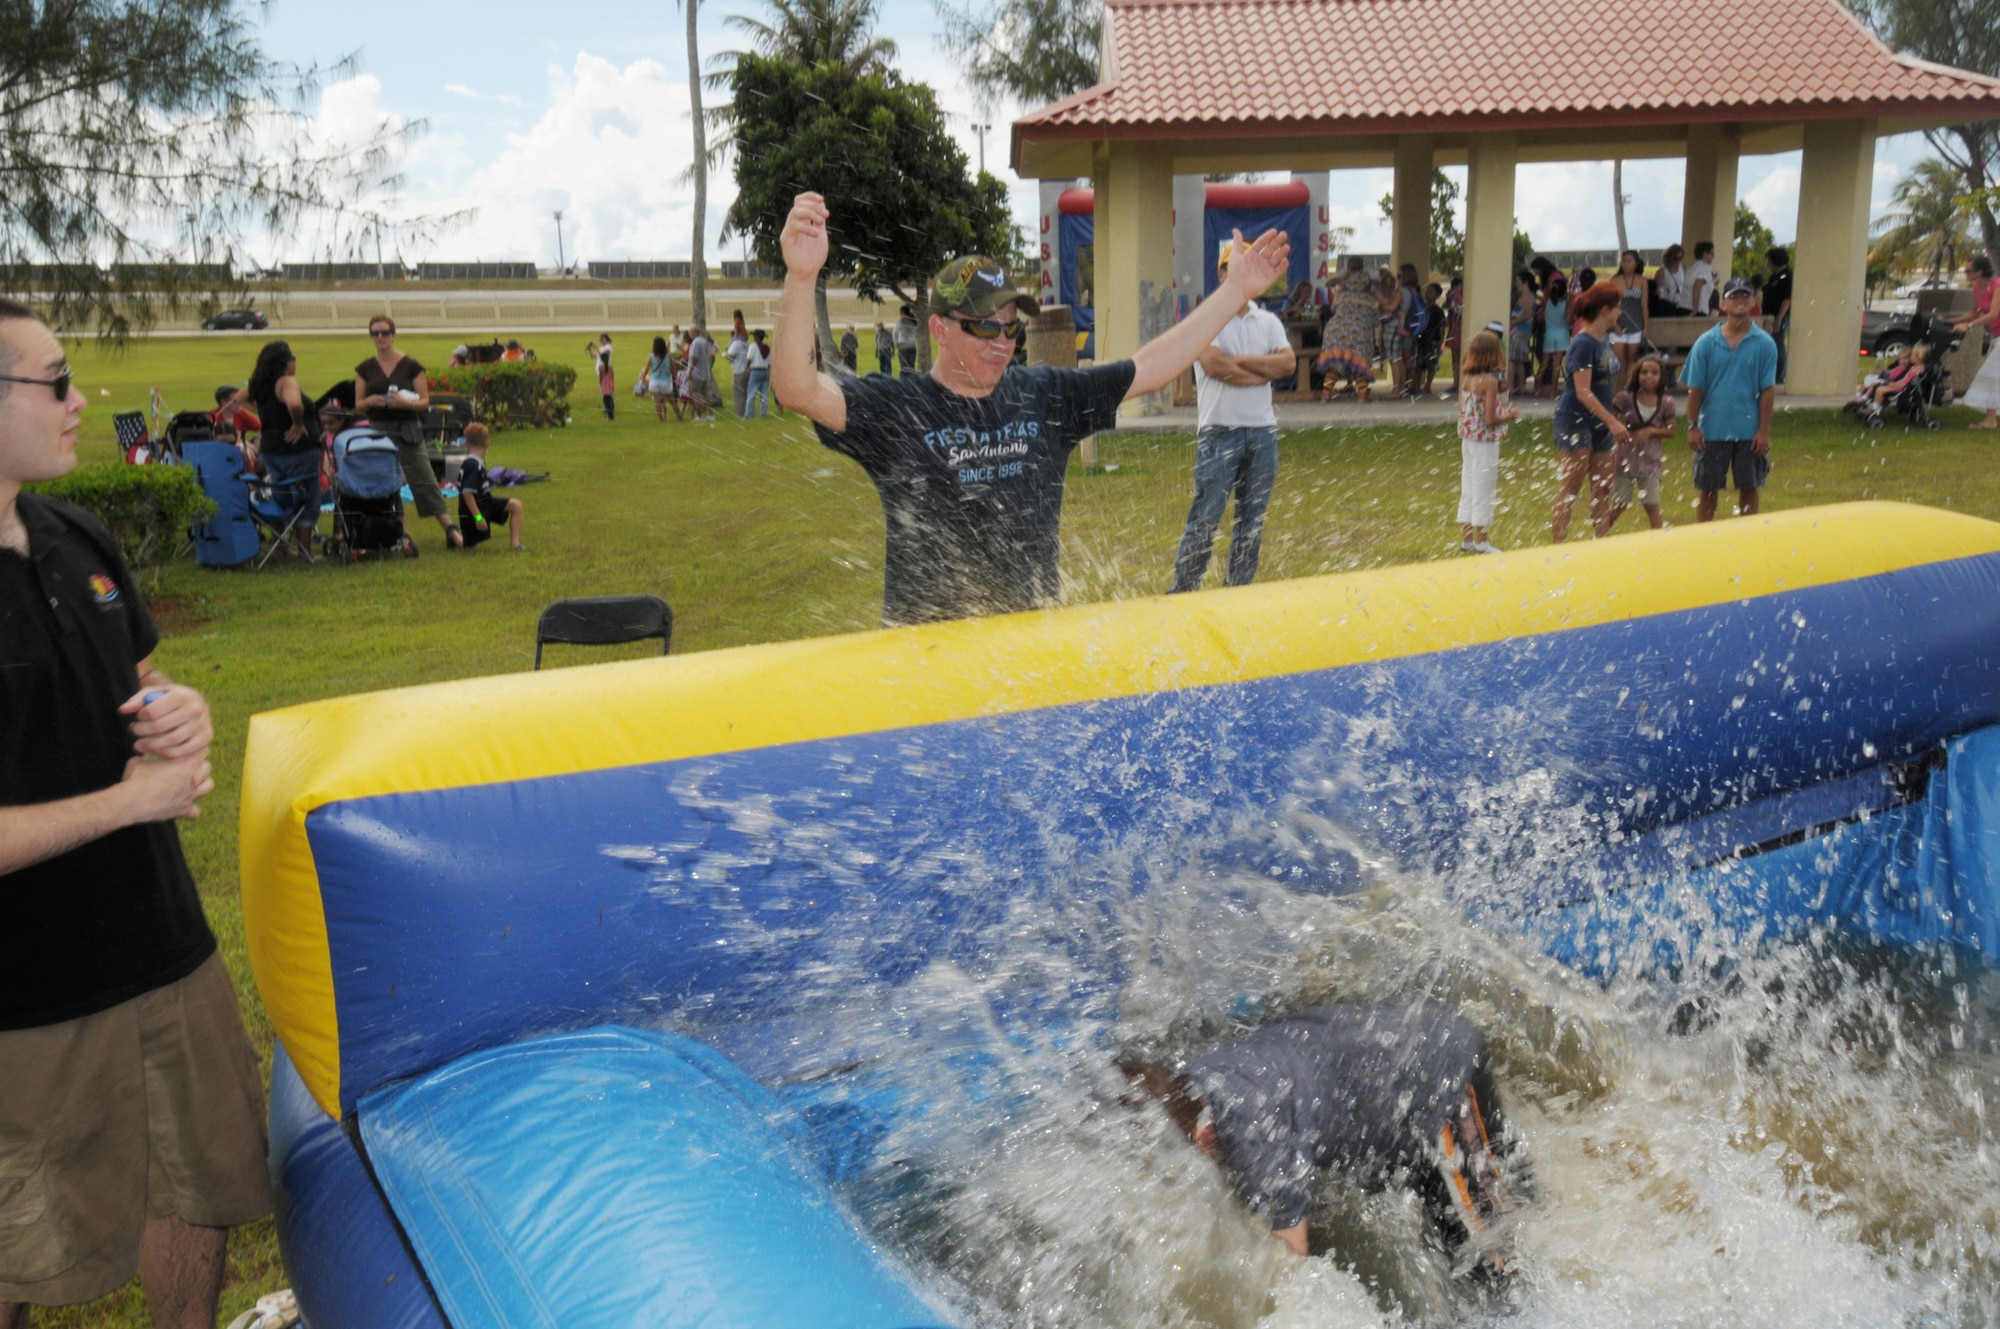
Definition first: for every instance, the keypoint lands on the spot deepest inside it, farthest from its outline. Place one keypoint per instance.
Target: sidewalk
(1296, 417)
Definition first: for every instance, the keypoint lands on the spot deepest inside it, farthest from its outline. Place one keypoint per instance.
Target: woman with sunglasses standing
(968, 459)
(393, 391)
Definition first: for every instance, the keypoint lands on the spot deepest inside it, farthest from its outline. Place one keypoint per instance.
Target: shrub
(515, 394)
(147, 509)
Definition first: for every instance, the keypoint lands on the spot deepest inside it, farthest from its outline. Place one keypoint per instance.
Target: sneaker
(517, 549)
(1486, 547)
(1467, 547)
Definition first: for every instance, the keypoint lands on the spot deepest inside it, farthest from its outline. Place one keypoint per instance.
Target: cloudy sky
(533, 107)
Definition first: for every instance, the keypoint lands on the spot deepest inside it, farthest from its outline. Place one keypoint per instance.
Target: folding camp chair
(285, 510)
(605, 621)
(135, 442)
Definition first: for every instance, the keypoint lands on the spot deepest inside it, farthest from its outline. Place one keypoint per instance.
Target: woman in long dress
(1349, 340)
(1984, 394)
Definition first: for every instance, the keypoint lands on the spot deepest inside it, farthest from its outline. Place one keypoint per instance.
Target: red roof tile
(1366, 66)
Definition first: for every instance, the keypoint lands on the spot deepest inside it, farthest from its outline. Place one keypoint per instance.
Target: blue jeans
(760, 393)
(1239, 459)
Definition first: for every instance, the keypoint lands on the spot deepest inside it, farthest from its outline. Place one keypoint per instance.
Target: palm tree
(1926, 226)
(698, 268)
(805, 32)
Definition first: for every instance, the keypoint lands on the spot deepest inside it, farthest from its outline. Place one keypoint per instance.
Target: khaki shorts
(150, 1109)
(1648, 487)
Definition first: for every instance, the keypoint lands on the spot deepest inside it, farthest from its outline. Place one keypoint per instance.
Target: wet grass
(755, 533)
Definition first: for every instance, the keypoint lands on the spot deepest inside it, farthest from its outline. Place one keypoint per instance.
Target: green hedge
(148, 508)
(516, 394)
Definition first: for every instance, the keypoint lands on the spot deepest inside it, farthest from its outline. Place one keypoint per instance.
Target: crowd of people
(287, 438)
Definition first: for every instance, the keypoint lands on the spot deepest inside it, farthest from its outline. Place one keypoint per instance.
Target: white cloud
(474, 94)
(1775, 196)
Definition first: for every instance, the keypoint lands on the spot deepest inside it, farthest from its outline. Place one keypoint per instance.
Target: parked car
(226, 319)
(1884, 333)
(1917, 288)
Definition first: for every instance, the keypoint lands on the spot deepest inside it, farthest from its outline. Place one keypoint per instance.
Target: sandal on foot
(453, 537)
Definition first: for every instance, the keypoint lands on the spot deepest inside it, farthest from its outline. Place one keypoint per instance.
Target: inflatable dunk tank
(568, 1017)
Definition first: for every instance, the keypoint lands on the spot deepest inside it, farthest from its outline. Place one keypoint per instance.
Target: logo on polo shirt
(103, 590)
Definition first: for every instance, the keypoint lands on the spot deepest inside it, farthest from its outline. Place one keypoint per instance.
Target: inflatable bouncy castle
(600, 1024)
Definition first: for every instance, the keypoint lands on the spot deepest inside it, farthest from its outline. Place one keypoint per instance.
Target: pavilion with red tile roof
(1203, 86)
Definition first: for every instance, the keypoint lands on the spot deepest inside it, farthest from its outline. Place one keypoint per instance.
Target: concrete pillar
(1135, 254)
(1708, 199)
(1489, 229)
(1830, 264)
(1411, 242)
(1190, 260)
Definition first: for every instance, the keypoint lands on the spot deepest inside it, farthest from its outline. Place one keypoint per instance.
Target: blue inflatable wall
(726, 843)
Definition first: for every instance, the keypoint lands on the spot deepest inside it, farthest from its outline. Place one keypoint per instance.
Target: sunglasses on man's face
(381, 332)
(60, 382)
(992, 329)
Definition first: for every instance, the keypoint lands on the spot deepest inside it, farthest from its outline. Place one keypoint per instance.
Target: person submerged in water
(1380, 1090)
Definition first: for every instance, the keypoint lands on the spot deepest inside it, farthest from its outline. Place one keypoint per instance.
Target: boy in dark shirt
(478, 508)
(1378, 1090)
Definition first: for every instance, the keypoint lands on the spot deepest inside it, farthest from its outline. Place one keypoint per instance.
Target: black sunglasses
(60, 382)
(988, 329)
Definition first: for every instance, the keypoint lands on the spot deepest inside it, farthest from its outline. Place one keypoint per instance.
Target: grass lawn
(755, 533)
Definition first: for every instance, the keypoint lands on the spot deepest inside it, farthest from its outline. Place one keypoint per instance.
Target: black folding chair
(605, 620)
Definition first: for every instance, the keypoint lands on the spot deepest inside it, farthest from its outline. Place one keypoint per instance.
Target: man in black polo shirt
(1778, 302)
(969, 458)
(131, 1115)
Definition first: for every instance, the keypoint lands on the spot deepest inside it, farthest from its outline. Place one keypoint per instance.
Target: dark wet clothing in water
(972, 487)
(1363, 1087)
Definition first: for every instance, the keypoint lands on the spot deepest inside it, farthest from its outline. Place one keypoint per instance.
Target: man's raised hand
(804, 237)
(1256, 265)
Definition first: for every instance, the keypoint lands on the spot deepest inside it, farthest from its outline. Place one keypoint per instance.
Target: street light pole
(981, 131)
(559, 248)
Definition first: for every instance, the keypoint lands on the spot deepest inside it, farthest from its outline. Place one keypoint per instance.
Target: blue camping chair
(284, 509)
(229, 538)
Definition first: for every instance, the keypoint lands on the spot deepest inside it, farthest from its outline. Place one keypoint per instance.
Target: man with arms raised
(969, 459)
(131, 1115)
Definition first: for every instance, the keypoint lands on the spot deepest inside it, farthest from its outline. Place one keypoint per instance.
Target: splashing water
(1790, 1133)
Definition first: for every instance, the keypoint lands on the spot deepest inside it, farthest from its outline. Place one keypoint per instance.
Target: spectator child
(1430, 336)
(1555, 335)
(1520, 328)
(885, 350)
(607, 382)
(230, 409)
(1483, 417)
(478, 507)
(1634, 314)
(1648, 413)
(1454, 328)
(659, 380)
(760, 374)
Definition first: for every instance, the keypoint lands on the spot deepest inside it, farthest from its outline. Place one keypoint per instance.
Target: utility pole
(559, 248)
(981, 131)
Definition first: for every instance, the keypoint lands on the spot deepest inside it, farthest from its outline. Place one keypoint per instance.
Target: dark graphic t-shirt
(1362, 1087)
(972, 487)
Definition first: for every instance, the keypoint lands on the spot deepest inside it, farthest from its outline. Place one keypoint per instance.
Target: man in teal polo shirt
(1732, 376)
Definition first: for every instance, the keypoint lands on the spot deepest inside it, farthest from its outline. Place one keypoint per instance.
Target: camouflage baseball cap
(976, 287)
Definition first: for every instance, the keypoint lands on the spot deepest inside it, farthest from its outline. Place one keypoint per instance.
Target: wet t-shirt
(972, 487)
(1363, 1086)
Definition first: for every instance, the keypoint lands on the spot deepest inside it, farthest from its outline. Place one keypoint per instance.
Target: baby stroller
(367, 497)
(1919, 395)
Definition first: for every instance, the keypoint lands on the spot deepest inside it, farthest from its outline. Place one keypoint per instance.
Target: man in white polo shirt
(1236, 444)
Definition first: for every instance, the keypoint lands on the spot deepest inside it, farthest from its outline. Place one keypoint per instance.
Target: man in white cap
(969, 458)
(1236, 438)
